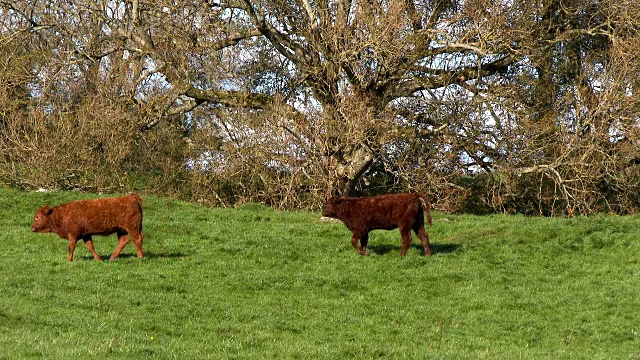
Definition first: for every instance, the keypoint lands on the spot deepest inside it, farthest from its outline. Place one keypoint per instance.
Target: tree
(286, 102)
(580, 100)
(75, 120)
(361, 63)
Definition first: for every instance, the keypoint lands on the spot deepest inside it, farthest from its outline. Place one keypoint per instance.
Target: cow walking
(386, 212)
(80, 220)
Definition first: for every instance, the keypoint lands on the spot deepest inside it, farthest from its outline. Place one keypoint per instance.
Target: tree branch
(280, 41)
(234, 39)
(437, 78)
(231, 98)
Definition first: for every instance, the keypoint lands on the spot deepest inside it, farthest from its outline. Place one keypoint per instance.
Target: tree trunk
(351, 169)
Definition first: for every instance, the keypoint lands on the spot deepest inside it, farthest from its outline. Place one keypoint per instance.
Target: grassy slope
(257, 283)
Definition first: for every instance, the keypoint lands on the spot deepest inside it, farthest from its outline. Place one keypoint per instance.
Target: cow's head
(331, 208)
(42, 220)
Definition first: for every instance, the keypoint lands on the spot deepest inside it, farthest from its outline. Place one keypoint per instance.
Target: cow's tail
(424, 201)
(138, 199)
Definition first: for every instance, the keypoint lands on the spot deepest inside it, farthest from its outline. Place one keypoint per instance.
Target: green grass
(255, 283)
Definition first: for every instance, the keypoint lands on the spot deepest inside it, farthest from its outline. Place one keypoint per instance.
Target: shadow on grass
(147, 255)
(435, 248)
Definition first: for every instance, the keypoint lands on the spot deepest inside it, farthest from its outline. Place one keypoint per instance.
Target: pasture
(255, 283)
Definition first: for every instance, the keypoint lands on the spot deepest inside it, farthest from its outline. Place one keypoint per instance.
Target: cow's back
(379, 212)
(100, 216)
(392, 210)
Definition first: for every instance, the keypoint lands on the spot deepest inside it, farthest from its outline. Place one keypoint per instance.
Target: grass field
(255, 283)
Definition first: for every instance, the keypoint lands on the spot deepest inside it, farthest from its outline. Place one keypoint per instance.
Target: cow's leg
(354, 242)
(72, 246)
(364, 241)
(424, 238)
(88, 242)
(123, 239)
(137, 241)
(406, 240)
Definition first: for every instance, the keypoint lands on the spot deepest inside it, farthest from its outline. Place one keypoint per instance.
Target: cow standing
(387, 212)
(80, 220)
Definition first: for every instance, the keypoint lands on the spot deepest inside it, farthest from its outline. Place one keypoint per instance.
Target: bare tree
(530, 104)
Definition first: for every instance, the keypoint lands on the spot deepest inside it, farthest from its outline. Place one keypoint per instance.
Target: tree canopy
(527, 106)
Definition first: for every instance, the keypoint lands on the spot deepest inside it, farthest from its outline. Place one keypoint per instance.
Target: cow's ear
(337, 199)
(47, 210)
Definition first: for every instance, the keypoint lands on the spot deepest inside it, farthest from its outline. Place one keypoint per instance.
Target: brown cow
(361, 215)
(79, 220)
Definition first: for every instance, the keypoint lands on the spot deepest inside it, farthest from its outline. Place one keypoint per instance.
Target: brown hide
(80, 220)
(361, 215)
